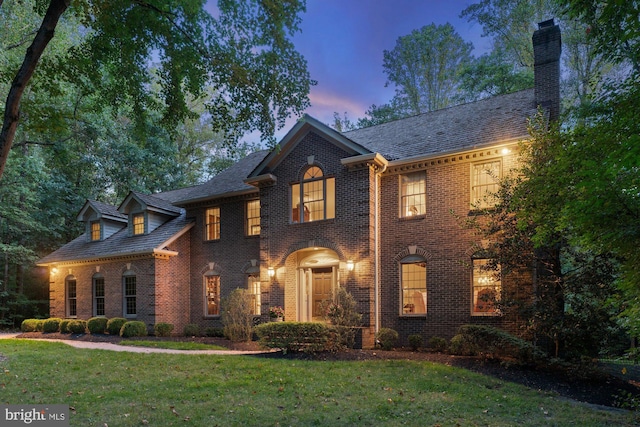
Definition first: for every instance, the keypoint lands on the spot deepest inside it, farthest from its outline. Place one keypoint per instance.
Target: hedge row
(95, 325)
(297, 336)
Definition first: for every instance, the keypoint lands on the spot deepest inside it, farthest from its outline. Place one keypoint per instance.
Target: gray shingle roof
(118, 244)
(156, 202)
(490, 120)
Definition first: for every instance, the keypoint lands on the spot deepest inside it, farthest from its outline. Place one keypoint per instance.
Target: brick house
(369, 210)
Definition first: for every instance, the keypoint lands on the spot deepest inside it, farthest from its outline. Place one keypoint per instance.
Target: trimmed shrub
(191, 330)
(97, 325)
(115, 324)
(214, 332)
(64, 326)
(30, 325)
(387, 338)
(162, 329)
(237, 315)
(297, 336)
(415, 341)
(492, 342)
(438, 344)
(51, 325)
(134, 328)
(342, 312)
(77, 326)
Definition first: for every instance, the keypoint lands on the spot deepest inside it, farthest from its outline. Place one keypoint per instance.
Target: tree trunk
(20, 81)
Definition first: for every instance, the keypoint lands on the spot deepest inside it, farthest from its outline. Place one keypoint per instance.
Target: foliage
(386, 338)
(493, 342)
(31, 325)
(51, 324)
(97, 325)
(191, 330)
(64, 326)
(380, 393)
(342, 312)
(424, 67)
(276, 311)
(77, 326)
(296, 336)
(415, 341)
(115, 324)
(214, 332)
(134, 328)
(438, 344)
(237, 315)
(162, 329)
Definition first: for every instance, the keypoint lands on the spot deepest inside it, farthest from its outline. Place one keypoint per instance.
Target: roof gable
(147, 203)
(305, 125)
(98, 210)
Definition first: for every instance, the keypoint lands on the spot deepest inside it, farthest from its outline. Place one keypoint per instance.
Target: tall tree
(424, 66)
(245, 52)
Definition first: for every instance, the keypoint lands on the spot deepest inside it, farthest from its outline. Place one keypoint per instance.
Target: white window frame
(138, 224)
(96, 299)
(410, 303)
(211, 296)
(129, 297)
(485, 183)
(254, 286)
(485, 279)
(252, 215)
(212, 224)
(305, 207)
(95, 231)
(71, 298)
(413, 194)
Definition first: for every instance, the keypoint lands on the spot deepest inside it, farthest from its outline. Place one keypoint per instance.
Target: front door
(322, 279)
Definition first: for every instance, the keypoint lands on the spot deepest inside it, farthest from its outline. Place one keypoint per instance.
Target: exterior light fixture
(350, 265)
(505, 151)
(272, 271)
(54, 270)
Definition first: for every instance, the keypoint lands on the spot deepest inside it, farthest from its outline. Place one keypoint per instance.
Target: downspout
(376, 244)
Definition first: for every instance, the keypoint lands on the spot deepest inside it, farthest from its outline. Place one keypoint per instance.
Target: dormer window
(314, 198)
(96, 231)
(138, 224)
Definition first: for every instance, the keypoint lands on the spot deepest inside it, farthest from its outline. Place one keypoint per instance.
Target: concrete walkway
(134, 349)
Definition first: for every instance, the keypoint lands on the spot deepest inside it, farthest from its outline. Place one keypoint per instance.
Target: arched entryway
(316, 280)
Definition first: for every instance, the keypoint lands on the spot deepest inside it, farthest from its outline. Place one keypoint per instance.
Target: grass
(131, 389)
(173, 345)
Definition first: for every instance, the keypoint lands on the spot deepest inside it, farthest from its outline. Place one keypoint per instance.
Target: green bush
(237, 315)
(77, 326)
(387, 338)
(51, 325)
(415, 341)
(438, 344)
(64, 326)
(97, 325)
(214, 332)
(492, 342)
(297, 336)
(342, 312)
(163, 329)
(134, 328)
(31, 325)
(191, 330)
(115, 324)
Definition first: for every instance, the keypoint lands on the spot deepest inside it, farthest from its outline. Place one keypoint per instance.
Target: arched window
(314, 197)
(413, 284)
(70, 291)
(130, 294)
(211, 285)
(98, 294)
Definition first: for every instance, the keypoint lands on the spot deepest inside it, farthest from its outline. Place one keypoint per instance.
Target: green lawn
(128, 389)
(172, 345)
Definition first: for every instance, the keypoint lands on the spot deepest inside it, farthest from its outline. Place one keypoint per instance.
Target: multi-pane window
(413, 198)
(212, 224)
(138, 224)
(314, 198)
(130, 296)
(254, 290)
(212, 294)
(486, 287)
(484, 183)
(253, 218)
(414, 287)
(70, 285)
(98, 296)
(95, 231)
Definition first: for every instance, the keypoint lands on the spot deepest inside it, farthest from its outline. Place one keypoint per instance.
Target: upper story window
(485, 183)
(252, 215)
(413, 198)
(138, 224)
(486, 288)
(413, 278)
(212, 224)
(96, 231)
(314, 198)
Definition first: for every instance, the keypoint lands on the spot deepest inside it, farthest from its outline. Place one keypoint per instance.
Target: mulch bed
(607, 385)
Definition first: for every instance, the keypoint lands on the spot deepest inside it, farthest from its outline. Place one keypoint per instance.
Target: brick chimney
(546, 67)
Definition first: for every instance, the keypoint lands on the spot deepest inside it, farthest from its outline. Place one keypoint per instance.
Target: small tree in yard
(237, 315)
(343, 314)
